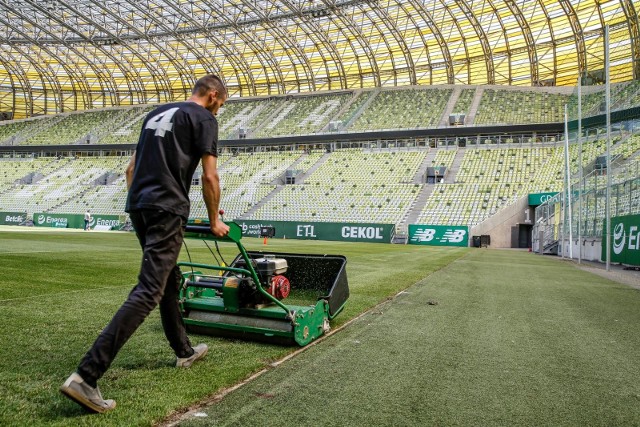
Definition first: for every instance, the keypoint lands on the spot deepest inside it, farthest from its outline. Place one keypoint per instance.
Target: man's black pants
(160, 235)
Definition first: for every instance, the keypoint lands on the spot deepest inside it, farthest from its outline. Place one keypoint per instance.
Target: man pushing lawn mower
(174, 138)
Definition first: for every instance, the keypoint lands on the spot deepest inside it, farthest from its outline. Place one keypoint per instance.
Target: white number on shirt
(162, 122)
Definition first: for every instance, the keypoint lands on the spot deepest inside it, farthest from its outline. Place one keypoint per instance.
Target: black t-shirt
(172, 141)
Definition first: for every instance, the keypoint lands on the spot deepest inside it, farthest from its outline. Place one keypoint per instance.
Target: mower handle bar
(234, 235)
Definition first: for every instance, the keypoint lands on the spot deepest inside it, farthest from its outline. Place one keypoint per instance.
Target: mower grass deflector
(275, 297)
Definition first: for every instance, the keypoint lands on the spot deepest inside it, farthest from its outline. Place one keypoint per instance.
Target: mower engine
(271, 272)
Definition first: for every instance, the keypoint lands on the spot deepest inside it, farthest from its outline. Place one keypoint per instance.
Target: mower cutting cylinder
(206, 282)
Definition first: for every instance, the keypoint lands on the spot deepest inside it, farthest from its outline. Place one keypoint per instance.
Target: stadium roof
(62, 55)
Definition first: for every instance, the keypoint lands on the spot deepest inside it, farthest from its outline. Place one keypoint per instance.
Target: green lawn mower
(274, 297)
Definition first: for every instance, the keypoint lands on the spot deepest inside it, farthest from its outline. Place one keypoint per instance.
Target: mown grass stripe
(514, 339)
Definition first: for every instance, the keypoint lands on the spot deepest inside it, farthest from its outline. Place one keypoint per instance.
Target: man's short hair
(208, 83)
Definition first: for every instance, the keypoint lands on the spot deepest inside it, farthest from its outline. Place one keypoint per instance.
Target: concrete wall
(499, 225)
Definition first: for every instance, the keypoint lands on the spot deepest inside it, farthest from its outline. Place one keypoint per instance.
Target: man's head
(210, 92)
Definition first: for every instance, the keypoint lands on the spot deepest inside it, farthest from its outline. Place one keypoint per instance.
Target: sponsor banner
(349, 232)
(536, 199)
(110, 221)
(12, 218)
(625, 240)
(74, 220)
(438, 235)
(53, 220)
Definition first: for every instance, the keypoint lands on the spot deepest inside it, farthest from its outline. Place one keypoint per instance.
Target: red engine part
(280, 287)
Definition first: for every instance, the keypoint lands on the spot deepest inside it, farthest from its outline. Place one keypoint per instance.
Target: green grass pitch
(59, 289)
(515, 339)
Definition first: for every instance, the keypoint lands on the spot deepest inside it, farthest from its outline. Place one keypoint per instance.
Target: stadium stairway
(473, 110)
(416, 208)
(78, 195)
(301, 178)
(342, 111)
(127, 127)
(277, 111)
(280, 183)
(448, 109)
(372, 95)
(264, 200)
(39, 126)
(105, 128)
(419, 177)
(450, 177)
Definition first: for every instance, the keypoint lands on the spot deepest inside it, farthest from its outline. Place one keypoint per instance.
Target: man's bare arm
(130, 168)
(211, 194)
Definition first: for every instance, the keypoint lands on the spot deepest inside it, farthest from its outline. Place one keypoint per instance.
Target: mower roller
(253, 297)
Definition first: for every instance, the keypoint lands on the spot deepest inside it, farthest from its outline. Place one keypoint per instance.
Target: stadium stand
(59, 181)
(516, 106)
(464, 101)
(444, 158)
(125, 128)
(19, 131)
(106, 194)
(383, 203)
(625, 95)
(351, 185)
(403, 109)
(374, 184)
(327, 112)
(371, 185)
(626, 148)
(307, 162)
(488, 180)
(247, 116)
(354, 108)
(16, 171)
(245, 179)
(303, 115)
(74, 128)
(244, 115)
(9, 131)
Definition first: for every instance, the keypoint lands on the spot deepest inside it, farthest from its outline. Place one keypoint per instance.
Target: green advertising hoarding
(536, 199)
(12, 218)
(351, 232)
(438, 235)
(74, 220)
(625, 240)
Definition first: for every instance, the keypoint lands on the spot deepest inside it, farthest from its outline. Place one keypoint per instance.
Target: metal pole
(608, 109)
(580, 178)
(567, 172)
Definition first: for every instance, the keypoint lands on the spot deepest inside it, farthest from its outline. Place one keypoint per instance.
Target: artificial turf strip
(515, 339)
(59, 289)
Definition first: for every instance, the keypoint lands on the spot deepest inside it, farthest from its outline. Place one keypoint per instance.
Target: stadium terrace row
(346, 185)
(364, 110)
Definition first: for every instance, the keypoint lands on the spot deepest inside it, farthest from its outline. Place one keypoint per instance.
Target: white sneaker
(199, 352)
(76, 389)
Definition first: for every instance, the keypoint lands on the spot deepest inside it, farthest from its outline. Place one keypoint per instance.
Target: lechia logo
(41, 219)
(619, 238)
